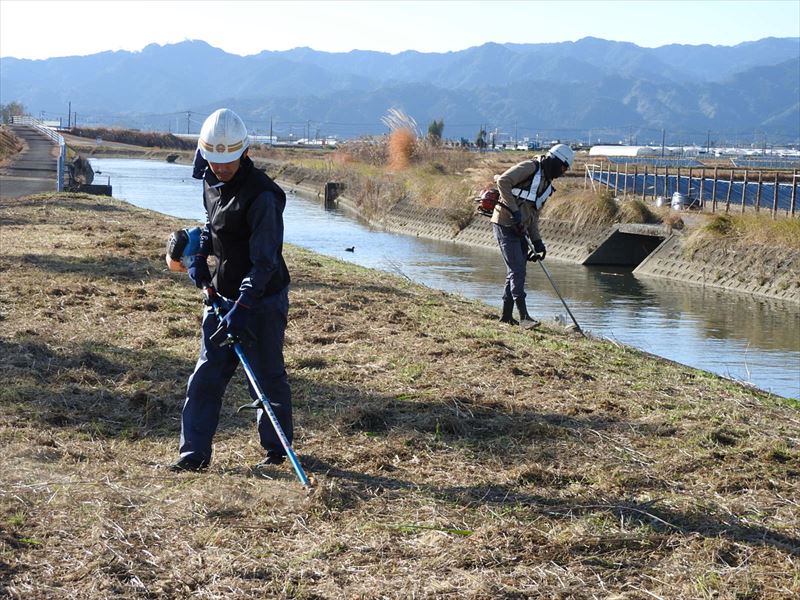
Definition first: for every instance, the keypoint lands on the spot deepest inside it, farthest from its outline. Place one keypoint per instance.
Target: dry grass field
(451, 456)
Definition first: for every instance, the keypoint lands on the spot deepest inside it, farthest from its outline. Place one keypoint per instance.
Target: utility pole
(663, 138)
(188, 114)
(270, 132)
(708, 142)
(69, 115)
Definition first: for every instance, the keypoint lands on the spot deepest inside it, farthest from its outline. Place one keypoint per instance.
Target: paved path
(34, 170)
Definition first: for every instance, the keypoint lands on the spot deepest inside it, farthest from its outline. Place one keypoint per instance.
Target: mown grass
(451, 456)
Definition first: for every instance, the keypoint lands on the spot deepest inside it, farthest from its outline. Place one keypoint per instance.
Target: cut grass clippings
(451, 456)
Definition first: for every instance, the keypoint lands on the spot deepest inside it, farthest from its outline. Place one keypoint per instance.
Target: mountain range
(589, 90)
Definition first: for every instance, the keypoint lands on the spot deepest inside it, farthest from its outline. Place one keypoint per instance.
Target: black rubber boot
(508, 309)
(525, 320)
(187, 464)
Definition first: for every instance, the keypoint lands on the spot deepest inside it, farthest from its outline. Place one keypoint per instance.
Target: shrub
(583, 207)
(754, 229)
(369, 150)
(148, 139)
(636, 211)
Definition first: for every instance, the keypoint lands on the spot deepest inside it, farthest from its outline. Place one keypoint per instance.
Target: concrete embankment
(763, 271)
(655, 250)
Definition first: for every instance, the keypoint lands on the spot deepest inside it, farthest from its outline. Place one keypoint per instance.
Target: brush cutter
(213, 300)
(553, 283)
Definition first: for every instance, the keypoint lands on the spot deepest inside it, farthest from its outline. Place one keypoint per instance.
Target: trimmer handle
(209, 295)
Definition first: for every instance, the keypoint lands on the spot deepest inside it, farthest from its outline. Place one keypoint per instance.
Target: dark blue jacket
(244, 230)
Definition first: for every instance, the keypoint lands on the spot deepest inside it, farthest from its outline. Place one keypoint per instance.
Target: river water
(751, 340)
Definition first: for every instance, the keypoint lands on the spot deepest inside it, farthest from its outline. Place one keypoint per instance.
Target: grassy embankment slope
(10, 145)
(451, 456)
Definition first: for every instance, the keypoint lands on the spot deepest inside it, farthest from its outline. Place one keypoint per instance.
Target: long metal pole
(555, 287)
(263, 401)
(560, 297)
(265, 406)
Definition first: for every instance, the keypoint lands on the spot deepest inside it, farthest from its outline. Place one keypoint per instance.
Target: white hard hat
(563, 153)
(223, 137)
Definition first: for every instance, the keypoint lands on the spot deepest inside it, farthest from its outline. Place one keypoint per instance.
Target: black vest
(226, 208)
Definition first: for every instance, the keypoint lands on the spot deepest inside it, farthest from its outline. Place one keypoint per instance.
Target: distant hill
(581, 90)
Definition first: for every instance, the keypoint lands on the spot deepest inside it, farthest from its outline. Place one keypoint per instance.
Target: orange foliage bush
(401, 148)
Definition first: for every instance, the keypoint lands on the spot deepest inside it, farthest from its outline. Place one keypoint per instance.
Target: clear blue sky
(40, 29)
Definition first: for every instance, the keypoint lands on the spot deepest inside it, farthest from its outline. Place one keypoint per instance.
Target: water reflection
(738, 336)
(764, 323)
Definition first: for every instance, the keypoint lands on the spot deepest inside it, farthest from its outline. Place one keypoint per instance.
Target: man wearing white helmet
(524, 189)
(244, 231)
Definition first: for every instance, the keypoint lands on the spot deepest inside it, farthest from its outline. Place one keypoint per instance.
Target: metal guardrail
(53, 135)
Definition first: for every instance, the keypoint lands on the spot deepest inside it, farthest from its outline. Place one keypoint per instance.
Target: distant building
(629, 151)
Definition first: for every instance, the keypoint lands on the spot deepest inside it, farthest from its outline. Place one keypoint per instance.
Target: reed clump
(582, 207)
(750, 229)
(402, 143)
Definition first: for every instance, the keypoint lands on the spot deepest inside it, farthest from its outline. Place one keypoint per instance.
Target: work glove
(236, 318)
(198, 271)
(532, 256)
(538, 246)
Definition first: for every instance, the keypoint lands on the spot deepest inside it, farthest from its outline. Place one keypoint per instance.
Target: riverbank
(693, 248)
(715, 251)
(451, 456)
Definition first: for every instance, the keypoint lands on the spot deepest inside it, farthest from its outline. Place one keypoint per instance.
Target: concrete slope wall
(771, 273)
(562, 240)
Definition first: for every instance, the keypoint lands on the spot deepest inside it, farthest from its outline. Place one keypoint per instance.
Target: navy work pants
(215, 367)
(514, 249)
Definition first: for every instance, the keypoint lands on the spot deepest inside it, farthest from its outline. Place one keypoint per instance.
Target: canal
(745, 338)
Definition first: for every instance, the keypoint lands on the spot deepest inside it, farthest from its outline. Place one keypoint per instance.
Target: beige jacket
(518, 176)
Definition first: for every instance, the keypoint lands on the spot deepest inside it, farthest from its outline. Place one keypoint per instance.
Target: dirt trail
(34, 169)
